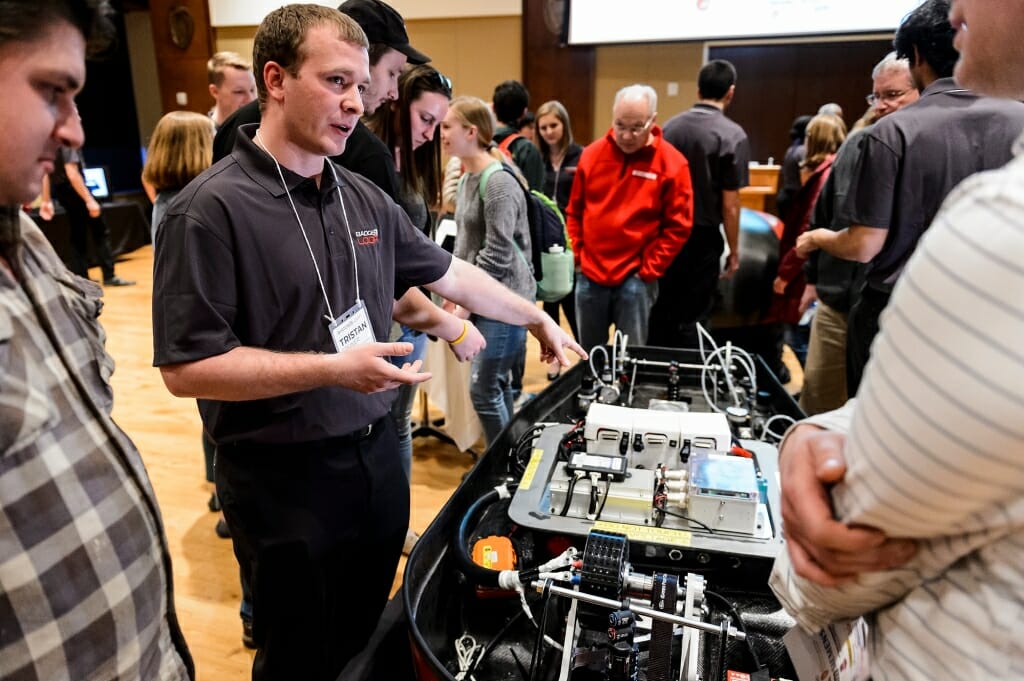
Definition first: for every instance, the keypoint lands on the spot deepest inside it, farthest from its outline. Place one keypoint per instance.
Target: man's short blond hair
(225, 60)
(281, 37)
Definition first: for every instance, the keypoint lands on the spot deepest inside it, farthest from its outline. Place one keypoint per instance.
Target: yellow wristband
(462, 336)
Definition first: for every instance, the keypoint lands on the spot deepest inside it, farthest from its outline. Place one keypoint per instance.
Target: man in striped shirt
(932, 444)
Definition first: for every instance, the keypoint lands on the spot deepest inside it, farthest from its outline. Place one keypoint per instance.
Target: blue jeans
(627, 305)
(490, 385)
(401, 409)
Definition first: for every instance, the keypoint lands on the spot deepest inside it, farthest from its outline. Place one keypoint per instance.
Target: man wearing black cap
(389, 51)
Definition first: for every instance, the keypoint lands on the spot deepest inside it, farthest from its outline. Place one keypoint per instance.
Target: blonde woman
(561, 153)
(494, 234)
(181, 147)
(825, 134)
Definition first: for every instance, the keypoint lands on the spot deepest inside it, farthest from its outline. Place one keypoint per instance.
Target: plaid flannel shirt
(85, 575)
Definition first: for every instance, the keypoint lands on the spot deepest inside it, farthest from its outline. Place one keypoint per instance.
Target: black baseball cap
(382, 24)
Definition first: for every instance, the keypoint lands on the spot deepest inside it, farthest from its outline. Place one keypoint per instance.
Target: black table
(126, 222)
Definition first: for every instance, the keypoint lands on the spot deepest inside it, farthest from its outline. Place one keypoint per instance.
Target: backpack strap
(484, 176)
(506, 144)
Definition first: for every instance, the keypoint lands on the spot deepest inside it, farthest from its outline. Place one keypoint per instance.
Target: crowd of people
(293, 275)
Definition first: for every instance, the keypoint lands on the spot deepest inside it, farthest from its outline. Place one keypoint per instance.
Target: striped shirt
(935, 451)
(85, 576)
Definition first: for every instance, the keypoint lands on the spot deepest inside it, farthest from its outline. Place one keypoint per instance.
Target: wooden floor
(166, 430)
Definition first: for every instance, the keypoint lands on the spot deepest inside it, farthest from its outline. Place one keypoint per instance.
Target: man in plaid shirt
(85, 575)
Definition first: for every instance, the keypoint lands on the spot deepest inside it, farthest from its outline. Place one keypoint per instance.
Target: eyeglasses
(444, 81)
(887, 96)
(633, 130)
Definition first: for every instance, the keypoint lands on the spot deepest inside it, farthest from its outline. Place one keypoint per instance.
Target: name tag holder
(352, 328)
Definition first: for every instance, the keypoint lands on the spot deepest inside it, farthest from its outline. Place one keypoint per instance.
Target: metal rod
(653, 614)
(655, 363)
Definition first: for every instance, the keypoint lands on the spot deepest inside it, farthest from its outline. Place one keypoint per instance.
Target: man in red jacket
(630, 213)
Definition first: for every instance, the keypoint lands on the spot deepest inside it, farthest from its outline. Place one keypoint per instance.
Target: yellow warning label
(646, 533)
(531, 469)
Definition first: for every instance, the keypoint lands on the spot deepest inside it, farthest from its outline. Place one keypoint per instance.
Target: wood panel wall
(477, 53)
(182, 69)
(551, 71)
(777, 83)
(659, 66)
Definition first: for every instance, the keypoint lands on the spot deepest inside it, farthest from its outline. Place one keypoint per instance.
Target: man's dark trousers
(320, 526)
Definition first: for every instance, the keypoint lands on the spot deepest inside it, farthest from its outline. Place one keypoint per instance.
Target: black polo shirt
(232, 269)
(718, 152)
(837, 280)
(914, 157)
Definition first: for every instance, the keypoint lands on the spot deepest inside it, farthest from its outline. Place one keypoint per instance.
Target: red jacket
(630, 213)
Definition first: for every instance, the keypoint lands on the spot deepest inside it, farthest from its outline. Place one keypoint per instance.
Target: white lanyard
(309, 247)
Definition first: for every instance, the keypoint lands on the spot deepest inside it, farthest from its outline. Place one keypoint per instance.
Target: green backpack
(551, 253)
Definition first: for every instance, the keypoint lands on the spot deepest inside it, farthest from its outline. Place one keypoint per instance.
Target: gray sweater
(487, 229)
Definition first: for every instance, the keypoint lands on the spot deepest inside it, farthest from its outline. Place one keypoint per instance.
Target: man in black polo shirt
(719, 156)
(910, 161)
(831, 281)
(275, 274)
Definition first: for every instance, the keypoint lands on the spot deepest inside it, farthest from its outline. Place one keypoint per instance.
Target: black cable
(476, 573)
(592, 509)
(493, 643)
(523, 672)
(568, 494)
(607, 491)
(687, 518)
(538, 647)
(516, 463)
(739, 624)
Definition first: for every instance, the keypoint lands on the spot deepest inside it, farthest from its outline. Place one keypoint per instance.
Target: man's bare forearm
(858, 243)
(246, 373)
(473, 289)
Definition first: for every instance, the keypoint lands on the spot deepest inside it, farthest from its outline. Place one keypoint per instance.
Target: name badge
(644, 174)
(352, 328)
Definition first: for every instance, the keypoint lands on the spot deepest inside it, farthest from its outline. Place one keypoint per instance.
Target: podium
(126, 222)
(764, 185)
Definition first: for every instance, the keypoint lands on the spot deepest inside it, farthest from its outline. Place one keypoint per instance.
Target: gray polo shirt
(718, 152)
(232, 269)
(912, 159)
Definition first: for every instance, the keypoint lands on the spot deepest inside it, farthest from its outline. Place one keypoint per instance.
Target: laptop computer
(98, 181)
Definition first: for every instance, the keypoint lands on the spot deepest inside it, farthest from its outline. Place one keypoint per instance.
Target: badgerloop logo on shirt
(367, 237)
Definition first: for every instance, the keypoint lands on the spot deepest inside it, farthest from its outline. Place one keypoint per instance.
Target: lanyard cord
(309, 247)
(344, 216)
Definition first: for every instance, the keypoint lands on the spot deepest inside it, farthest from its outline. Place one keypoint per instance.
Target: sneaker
(247, 640)
(221, 528)
(117, 281)
(410, 541)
